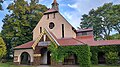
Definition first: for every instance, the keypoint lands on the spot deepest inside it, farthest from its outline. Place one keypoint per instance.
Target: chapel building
(53, 27)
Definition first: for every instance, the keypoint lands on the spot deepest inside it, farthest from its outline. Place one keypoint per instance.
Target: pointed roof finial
(55, 5)
(54, 1)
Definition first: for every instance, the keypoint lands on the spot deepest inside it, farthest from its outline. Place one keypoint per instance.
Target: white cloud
(83, 7)
(41, 1)
(73, 6)
(72, 18)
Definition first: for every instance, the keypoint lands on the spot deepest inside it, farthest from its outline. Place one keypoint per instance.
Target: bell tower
(55, 5)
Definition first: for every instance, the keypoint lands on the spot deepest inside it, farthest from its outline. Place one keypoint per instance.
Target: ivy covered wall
(111, 54)
(86, 54)
(82, 52)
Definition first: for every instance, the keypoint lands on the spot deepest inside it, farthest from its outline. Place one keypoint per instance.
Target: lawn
(9, 64)
(103, 66)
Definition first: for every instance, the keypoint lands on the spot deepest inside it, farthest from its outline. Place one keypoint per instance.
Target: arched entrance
(45, 56)
(71, 59)
(101, 58)
(25, 58)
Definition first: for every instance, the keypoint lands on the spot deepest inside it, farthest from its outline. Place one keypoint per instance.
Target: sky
(72, 10)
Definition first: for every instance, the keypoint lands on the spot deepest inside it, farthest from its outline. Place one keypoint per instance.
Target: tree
(18, 26)
(103, 20)
(115, 36)
(1, 1)
(2, 48)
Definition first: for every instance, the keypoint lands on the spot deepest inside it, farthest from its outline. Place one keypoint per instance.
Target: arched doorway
(45, 56)
(25, 58)
(71, 59)
(101, 58)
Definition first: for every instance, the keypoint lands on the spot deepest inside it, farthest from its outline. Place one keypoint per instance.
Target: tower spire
(54, 1)
(55, 5)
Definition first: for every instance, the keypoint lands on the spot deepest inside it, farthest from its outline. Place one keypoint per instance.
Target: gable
(44, 39)
(57, 30)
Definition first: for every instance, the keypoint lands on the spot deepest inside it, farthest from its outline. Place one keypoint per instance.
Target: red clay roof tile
(69, 42)
(26, 45)
(83, 30)
(79, 40)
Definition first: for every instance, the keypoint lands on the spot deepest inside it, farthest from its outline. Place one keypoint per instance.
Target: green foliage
(115, 36)
(112, 58)
(111, 54)
(103, 20)
(2, 48)
(94, 57)
(1, 1)
(82, 52)
(56, 53)
(19, 24)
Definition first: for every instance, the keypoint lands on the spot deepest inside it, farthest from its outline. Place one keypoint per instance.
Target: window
(47, 16)
(62, 30)
(53, 15)
(40, 29)
(51, 25)
(84, 33)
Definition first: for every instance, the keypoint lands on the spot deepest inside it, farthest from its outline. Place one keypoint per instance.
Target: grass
(103, 66)
(10, 64)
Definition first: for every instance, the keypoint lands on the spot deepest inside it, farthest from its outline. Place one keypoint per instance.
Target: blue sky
(72, 10)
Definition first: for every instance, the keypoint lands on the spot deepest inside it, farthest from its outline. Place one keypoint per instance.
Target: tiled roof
(69, 42)
(26, 45)
(50, 11)
(107, 42)
(83, 30)
(89, 40)
(79, 40)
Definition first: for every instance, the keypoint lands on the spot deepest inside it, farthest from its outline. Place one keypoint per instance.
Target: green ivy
(112, 58)
(111, 54)
(82, 52)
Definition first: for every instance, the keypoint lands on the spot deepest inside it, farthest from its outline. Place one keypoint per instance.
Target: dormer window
(84, 33)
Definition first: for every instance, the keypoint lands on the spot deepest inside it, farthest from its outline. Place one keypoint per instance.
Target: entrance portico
(45, 56)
